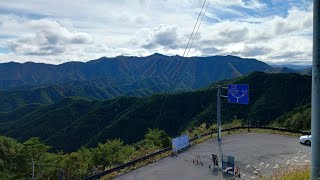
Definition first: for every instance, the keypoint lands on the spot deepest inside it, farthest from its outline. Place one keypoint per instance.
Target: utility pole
(32, 163)
(32, 169)
(219, 112)
(61, 174)
(315, 98)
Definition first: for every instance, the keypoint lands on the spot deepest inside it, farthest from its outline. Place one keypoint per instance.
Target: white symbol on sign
(244, 93)
(238, 94)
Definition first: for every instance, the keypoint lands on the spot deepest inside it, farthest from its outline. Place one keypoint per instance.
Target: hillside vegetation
(297, 119)
(100, 89)
(73, 122)
(106, 78)
(16, 158)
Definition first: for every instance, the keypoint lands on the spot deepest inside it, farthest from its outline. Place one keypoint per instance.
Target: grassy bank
(297, 172)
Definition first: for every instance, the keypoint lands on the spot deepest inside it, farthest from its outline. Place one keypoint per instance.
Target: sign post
(219, 112)
(237, 93)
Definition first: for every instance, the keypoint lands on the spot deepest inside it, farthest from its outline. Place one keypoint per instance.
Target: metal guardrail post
(315, 101)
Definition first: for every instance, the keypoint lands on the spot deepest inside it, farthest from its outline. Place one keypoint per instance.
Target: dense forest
(74, 122)
(16, 158)
(297, 119)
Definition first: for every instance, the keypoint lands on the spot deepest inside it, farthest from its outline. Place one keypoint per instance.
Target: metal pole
(61, 174)
(32, 169)
(219, 112)
(315, 98)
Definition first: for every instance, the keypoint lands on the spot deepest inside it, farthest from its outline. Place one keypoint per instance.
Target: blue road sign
(238, 93)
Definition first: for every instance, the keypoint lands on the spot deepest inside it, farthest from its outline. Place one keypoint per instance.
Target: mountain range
(194, 71)
(105, 78)
(82, 103)
(292, 66)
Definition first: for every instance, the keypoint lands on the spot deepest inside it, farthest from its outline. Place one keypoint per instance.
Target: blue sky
(274, 31)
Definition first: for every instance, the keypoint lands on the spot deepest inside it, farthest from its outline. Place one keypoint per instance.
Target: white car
(306, 140)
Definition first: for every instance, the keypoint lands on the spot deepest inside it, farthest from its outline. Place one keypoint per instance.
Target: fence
(162, 151)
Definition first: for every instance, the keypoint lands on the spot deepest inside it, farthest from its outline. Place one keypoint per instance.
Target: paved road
(261, 153)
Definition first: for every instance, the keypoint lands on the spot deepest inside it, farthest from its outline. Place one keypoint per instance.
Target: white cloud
(296, 21)
(251, 4)
(48, 38)
(255, 4)
(271, 39)
(58, 31)
(163, 35)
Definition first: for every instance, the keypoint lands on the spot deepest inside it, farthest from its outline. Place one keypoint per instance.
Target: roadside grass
(267, 131)
(295, 172)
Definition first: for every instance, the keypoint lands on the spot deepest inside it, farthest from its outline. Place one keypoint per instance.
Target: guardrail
(269, 128)
(122, 166)
(99, 175)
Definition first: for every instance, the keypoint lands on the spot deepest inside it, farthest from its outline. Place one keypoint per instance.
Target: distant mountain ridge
(194, 71)
(291, 66)
(307, 71)
(105, 78)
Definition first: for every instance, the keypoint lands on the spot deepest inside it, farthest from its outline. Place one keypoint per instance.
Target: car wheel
(308, 142)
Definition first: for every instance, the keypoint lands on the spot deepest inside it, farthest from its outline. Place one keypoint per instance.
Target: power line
(178, 69)
(194, 28)
(198, 28)
(175, 73)
(181, 60)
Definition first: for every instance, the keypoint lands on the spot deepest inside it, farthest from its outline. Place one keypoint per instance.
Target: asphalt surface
(256, 154)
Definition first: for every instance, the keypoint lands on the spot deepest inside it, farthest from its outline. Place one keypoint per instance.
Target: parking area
(256, 154)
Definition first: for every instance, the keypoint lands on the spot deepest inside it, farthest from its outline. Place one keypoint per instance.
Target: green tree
(34, 150)
(157, 138)
(9, 158)
(111, 153)
(297, 119)
(76, 166)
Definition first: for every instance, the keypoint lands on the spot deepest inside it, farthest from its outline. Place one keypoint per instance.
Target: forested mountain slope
(106, 78)
(73, 122)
